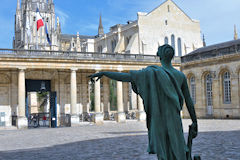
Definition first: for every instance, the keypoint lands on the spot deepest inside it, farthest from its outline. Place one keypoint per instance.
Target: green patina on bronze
(163, 90)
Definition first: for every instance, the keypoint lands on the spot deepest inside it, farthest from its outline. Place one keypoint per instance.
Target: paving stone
(217, 140)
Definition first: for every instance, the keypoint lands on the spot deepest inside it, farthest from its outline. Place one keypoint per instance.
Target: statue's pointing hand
(98, 75)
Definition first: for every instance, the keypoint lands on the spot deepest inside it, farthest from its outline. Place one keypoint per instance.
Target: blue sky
(217, 17)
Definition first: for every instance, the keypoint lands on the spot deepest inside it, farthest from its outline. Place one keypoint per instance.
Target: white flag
(28, 29)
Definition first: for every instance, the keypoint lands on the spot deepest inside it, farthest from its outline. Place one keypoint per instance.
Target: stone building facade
(67, 73)
(167, 23)
(213, 73)
(65, 65)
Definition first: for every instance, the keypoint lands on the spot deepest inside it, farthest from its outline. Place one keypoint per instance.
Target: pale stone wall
(144, 35)
(90, 45)
(216, 67)
(5, 104)
(161, 23)
(14, 91)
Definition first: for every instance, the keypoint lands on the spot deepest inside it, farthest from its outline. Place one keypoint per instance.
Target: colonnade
(98, 115)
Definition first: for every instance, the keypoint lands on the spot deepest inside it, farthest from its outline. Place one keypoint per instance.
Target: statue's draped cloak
(163, 100)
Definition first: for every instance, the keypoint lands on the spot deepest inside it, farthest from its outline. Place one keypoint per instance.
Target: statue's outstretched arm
(124, 77)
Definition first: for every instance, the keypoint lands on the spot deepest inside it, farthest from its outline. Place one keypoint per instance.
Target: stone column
(106, 108)
(22, 121)
(85, 99)
(98, 116)
(74, 115)
(141, 115)
(120, 116)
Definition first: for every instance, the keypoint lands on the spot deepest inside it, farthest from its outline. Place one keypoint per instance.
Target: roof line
(215, 47)
(173, 3)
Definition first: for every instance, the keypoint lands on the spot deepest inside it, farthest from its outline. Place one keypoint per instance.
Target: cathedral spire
(235, 33)
(100, 27)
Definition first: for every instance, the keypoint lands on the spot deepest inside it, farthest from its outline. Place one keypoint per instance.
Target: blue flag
(48, 38)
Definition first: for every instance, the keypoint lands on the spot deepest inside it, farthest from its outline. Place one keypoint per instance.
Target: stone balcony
(78, 56)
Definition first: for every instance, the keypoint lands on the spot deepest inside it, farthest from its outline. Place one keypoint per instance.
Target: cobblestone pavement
(217, 140)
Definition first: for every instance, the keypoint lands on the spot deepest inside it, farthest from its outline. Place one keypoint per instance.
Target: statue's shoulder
(154, 67)
(182, 75)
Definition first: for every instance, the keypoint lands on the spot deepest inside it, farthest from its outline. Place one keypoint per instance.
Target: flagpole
(45, 39)
(37, 40)
(37, 28)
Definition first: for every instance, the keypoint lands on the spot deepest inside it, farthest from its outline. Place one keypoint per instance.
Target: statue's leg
(159, 157)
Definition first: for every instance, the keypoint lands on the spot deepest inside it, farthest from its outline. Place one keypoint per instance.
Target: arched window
(193, 89)
(208, 85)
(226, 88)
(127, 40)
(166, 40)
(179, 47)
(173, 41)
(99, 49)
(166, 22)
(114, 43)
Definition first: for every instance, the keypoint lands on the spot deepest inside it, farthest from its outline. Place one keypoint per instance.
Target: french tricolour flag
(39, 20)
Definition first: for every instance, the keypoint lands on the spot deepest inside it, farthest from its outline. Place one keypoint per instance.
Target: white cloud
(63, 16)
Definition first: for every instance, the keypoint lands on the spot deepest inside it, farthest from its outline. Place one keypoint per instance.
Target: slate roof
(219, 49)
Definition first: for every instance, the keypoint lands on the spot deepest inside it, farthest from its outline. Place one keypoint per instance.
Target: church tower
(26, 34)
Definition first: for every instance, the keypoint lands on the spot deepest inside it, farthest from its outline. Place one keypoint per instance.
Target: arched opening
(166, 40)
(113, 43)
(173, 41)
(208, 88)
(99, 49)
(179, 47)
(226, 84)
(192, 87)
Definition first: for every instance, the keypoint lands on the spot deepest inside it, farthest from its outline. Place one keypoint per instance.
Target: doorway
(41, 106)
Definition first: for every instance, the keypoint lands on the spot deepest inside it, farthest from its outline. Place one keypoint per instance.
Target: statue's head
(165, 52)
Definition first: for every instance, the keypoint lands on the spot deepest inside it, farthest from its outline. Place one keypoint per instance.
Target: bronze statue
(163, 90)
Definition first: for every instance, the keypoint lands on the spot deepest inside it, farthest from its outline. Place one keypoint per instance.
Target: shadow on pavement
(210, 145)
